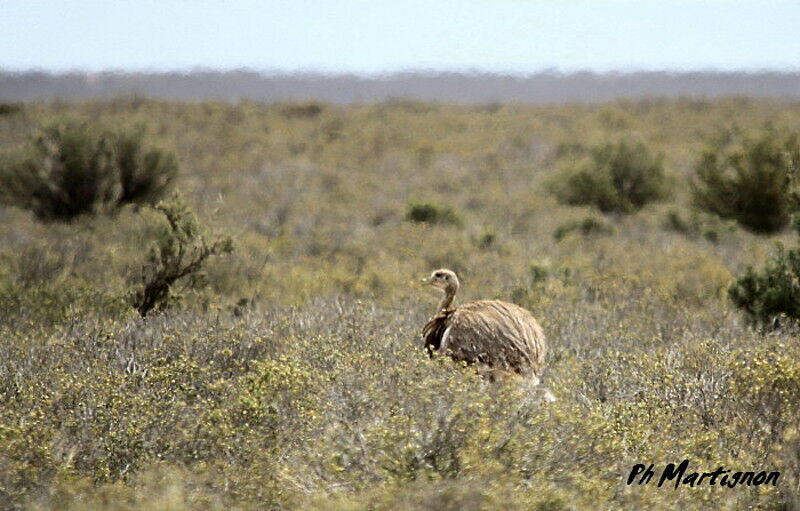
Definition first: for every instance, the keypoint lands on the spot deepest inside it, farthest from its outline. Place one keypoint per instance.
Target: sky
(376, 36)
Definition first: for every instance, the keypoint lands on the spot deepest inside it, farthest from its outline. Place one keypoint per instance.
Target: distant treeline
(543, 87)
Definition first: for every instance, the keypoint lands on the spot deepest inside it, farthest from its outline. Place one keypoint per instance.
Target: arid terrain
(290, 373)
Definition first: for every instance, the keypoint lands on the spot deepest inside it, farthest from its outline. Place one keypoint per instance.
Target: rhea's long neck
(449, 294)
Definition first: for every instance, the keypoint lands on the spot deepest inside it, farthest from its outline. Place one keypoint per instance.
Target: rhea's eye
(438, 275)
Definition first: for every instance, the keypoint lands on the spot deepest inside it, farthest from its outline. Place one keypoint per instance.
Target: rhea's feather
(493, 333)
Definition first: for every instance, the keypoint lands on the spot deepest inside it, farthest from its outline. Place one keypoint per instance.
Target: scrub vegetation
(615, 177)
(73, 168)
(754, 181)
(289, 373)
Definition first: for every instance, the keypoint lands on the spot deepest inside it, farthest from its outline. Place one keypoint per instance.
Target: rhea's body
(492, 333)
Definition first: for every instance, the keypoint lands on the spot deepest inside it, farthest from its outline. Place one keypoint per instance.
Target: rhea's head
(444, 279)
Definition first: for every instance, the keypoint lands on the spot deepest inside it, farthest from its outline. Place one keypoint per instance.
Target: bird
(501, 338)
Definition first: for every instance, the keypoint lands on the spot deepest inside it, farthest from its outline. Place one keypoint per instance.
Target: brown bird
(494, 334)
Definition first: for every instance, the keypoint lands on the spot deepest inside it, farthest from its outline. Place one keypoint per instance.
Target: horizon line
(419, 71)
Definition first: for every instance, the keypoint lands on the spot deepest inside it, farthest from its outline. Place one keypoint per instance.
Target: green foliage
(618, 177)
(144, 173)
(427, 212)
(180, 252)
(773, 290)
(10, 108)
(538, 273)
(538, 278)
(589, 226)
(486, 240)
(71, 169)
(753, 180)
(307, 110)
(698, 224)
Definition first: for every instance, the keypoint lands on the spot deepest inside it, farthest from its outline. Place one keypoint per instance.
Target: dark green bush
(486, 240)
(72, 169)
(698, 224)
(181, 252)
(426, 212)
(10, 108)
(306, 110)
(674, 221)
(753, 181)
(586, 227)
(772, 291)
(538, 273)
(144, 173)
(617, 177)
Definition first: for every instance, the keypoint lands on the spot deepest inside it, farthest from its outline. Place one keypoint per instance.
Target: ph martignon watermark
(642, 474)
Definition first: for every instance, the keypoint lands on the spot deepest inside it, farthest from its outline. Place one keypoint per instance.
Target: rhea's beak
(426, 280)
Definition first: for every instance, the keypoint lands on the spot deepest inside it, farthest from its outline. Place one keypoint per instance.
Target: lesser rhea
(498, 336)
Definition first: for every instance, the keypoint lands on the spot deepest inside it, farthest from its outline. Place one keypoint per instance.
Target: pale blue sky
(372, 36)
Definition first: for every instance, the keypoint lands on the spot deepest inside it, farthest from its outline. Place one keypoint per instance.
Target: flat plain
(291, 373)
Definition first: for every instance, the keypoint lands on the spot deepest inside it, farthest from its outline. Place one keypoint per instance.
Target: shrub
(586, 227)
(486, 240)
(675, 222)
(617, 177)
(144, 173)
(38, 264)
(10, 108)
(766, 383)
(753, 181)
(181, 251)
(765, 294)
(306, 110)
(538, 273)
(426, 212)
(71, 169)
(773, 291)
(276, 399)
(698, 224)
(529, 293)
